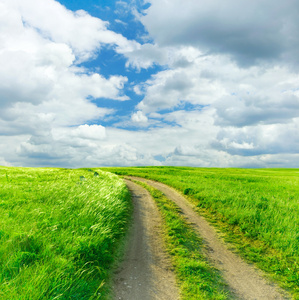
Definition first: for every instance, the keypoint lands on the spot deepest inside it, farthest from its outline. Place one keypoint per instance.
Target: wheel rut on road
(245, 281)
(145, 273)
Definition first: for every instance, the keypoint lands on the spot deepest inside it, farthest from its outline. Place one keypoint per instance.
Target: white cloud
(36, 67)
(201, 82)
(82, 147)
(146, 56)
(227, 95)
(248, 114)
(92, 132)
(83, 33)
(40, 87)
(260, 139)
(247, 31)
(44, 95)
(139, 117)
(235, 62)
(188, 143)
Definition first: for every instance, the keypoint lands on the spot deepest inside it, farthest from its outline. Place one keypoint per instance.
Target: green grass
(60, 231)
(257, 209)
(196, 278)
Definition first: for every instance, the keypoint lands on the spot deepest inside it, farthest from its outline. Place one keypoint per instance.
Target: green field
(258, 210)
(60, 231)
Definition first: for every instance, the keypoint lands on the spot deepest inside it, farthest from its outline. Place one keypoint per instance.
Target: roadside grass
(60, 231)
(197, 279)
(257, 209)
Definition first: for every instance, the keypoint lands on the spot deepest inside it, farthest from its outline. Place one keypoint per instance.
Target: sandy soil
(145, 273)
(245, 281)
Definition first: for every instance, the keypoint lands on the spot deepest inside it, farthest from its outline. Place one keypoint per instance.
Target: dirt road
(145, 273)
(245, 281)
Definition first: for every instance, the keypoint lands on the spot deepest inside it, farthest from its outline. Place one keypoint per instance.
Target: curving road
(245, 281)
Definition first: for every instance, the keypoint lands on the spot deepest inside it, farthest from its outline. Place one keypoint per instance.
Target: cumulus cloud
(44, 95)
(40, 84)
(84, 146)
(202, 82)
(261, 139)
(146, 56)
(247, 31)
(83, 33)
(226, 95)
(93, 132)
(36, 63)
(236, 61)
(249, 112)
(243, 110)
(139, 117)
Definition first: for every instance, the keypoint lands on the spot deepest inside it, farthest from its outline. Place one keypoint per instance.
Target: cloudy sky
(208, 83)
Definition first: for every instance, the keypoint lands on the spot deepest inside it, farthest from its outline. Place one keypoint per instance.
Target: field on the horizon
(60, 228)
(59, 232)
(256, 209)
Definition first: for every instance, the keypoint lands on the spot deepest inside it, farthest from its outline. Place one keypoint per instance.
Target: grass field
(60, 230)
(257, 209)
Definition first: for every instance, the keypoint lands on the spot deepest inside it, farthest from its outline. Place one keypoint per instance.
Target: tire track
(145, 273)
(245, 281)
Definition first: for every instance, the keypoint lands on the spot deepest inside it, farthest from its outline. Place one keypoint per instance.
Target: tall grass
(59, 232)
(258, 210)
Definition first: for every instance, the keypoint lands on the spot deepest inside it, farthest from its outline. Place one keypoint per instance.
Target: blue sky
(128, 83)
(123, 21)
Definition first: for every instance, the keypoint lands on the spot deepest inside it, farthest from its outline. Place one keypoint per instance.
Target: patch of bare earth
(145, 273)
(245, 281)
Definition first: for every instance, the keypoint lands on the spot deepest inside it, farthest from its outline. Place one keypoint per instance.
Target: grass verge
(197, 279)
(60, 230)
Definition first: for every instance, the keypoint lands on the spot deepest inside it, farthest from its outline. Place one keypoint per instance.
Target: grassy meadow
(257, 209)
(60, 231)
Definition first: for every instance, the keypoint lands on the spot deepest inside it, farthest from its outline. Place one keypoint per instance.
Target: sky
(91, 83)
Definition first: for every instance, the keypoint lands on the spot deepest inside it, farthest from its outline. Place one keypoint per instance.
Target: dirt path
(145, 273)
(245, 281)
